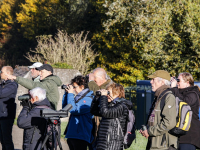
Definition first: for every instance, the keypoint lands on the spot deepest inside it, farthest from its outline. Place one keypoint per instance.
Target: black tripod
(53, 123)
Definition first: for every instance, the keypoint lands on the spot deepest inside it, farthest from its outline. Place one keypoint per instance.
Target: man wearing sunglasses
(8, 91)
(48, 81)
(35, 74)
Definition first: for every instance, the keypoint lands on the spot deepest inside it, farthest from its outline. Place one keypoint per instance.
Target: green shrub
(62, 66)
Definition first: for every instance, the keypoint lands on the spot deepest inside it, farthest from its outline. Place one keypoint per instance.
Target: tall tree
(163, 35)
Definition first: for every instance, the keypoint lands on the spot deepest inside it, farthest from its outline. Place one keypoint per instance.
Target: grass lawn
(63, 127)
(139, 145)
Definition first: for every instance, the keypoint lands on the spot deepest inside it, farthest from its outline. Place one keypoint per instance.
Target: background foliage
(132, 38)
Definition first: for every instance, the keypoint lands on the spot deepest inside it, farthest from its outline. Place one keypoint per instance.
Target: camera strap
(82, 96)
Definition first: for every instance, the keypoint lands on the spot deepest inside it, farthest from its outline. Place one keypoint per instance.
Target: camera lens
(98, 93)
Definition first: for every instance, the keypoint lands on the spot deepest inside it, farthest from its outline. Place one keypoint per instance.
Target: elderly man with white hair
(98, 80)
(34, 126)
(161, 117)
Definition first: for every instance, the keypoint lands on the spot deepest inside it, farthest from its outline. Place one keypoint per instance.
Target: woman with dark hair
(113, 109)
(79, 129)
(188, 93)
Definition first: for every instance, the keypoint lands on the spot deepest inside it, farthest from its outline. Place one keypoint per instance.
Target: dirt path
(18, 139)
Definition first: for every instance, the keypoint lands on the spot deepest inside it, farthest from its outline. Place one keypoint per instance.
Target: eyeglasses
(75, 87)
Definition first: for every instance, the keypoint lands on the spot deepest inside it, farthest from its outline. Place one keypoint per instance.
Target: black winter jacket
(190, 95)
(109, 136)
(8, 91)
(34, 126)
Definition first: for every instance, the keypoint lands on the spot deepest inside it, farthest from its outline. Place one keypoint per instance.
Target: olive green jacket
(94, 87)
(163, 122)
(50, 84)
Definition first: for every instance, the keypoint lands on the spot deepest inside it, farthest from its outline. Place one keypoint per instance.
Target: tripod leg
(59, 143)
(45, 140)
(54, 140)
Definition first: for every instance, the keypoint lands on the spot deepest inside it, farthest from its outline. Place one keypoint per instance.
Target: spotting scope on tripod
(53, 129)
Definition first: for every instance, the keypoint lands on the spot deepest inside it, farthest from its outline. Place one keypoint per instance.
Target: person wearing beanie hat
(161, 120)
(48, 81)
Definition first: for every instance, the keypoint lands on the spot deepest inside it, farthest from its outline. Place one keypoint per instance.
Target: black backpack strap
(163, 96)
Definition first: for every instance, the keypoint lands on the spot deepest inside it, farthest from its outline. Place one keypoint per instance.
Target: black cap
(46, 67)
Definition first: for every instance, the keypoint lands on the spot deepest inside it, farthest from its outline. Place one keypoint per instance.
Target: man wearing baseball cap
(48, 81)
(161, 120)
(35, 74)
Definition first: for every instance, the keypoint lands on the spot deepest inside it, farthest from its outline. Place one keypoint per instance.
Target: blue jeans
(186, 147)
(6, 134)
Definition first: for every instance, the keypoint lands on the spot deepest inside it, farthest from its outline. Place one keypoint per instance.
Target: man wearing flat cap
(48, 81)
(162, 115)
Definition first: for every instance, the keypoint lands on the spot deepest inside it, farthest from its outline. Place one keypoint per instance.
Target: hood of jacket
(44, 102)
(55, 78)
(126, 102)
(188, 89)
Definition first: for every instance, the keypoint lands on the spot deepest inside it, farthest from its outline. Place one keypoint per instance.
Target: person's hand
(91, 77)
(24, 103)
(10, 77)
(104, 92)
(144, 133)
(173, 82)
(70, 89)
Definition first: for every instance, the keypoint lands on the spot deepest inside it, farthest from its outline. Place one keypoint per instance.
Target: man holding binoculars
(30, 120)
(8, 91)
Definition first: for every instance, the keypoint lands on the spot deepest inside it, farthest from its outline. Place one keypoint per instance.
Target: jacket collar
(105, 83)
(44, 102)
(161, 89)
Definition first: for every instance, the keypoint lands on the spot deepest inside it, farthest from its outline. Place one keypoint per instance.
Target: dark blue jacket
(80, 122)
(8, 91)
(34, 126)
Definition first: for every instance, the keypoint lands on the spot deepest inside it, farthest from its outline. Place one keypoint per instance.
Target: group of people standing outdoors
(99, 106)
(92, 122)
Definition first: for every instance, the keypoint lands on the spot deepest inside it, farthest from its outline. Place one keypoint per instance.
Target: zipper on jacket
(163, 140)
(108, 138)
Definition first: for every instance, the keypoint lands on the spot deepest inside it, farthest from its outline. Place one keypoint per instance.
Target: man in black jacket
(8, 91)
(34, 126)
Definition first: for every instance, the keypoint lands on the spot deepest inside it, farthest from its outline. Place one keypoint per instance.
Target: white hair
(167, 82)
(39, 92)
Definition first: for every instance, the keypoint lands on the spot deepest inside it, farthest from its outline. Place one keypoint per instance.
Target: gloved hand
(24, 103)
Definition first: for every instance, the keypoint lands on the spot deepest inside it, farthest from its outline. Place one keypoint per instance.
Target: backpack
(183, 116)
(130, 135)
